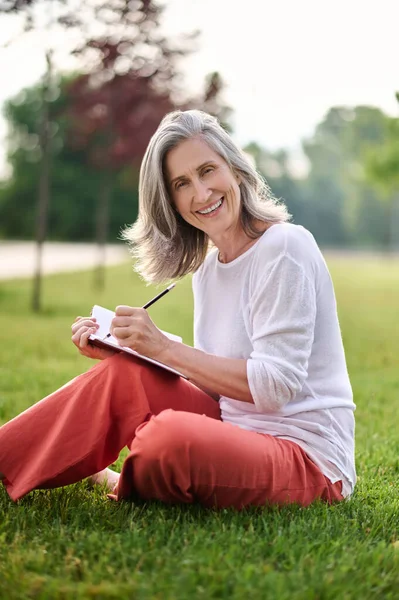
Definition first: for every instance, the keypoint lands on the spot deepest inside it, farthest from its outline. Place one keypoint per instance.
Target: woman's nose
(202, 192)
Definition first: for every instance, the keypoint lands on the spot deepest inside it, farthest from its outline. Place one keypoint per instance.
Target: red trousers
(180, 450)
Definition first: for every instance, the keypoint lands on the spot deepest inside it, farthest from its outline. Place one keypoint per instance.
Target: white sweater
(275, 306)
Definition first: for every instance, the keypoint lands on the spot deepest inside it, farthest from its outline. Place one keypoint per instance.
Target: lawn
(73, 543)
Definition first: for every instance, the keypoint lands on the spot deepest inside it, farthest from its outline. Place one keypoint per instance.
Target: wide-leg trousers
(180, 449)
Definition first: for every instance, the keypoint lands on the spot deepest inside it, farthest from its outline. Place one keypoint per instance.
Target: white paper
(104, 318)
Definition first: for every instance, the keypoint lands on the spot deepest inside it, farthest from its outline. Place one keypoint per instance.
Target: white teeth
(211, 208)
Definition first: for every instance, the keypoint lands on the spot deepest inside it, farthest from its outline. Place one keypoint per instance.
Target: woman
(267, 416)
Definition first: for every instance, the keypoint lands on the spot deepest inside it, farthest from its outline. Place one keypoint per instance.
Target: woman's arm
(216, 375)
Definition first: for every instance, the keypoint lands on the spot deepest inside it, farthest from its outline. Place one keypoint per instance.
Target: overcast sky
(285, 62)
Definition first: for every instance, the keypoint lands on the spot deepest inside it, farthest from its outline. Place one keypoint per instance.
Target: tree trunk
(43, 192)
(102, 223)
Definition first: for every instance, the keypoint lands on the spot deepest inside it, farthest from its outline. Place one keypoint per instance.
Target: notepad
(104, 317)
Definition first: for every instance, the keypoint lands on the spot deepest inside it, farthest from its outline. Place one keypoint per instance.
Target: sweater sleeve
(282, 317)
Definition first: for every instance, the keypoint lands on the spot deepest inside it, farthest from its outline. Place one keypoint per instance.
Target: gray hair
(164, 244)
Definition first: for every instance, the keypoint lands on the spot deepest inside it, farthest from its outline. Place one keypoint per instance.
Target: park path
(17, 259)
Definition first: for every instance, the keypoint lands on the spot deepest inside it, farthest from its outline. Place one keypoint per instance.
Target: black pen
(151, 302)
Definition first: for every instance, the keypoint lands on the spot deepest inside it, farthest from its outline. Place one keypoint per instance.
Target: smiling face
(203, 188)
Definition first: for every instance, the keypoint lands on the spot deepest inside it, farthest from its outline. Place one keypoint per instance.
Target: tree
(335, 201)
(346, 206)
(75, 185)
(27, 9)
(382, 171)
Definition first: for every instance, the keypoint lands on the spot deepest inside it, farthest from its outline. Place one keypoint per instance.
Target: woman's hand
(82, 328)
(133, 327)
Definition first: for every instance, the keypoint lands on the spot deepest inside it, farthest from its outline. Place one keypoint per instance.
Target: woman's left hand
(133, 327)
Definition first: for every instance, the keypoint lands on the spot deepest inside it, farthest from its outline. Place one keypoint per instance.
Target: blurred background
(308, 89)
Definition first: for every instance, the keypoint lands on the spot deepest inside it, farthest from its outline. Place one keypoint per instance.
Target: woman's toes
(106, 477)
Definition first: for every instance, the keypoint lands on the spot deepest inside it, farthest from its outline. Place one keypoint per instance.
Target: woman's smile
(212, 210)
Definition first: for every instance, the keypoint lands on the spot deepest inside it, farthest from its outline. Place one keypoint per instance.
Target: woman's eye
(180, 184)
(208, 170)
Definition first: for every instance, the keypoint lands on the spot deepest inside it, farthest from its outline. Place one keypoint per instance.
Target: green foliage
(75, 185)
(72, 543)
(337, 176)
(382, 165)
(336, 201)
(382, 171)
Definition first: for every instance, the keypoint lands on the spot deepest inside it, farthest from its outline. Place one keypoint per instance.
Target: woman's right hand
(82, 328)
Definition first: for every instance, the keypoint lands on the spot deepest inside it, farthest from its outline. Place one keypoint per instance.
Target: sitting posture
(266, 415)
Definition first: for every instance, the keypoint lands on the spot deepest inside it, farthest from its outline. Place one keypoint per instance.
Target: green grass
(72, 543)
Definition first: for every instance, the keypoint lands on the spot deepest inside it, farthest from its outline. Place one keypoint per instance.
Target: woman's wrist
(167, 352)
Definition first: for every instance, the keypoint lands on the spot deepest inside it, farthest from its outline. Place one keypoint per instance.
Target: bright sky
(285, 62)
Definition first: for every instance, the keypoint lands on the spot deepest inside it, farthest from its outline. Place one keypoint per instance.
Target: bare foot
(106, 477)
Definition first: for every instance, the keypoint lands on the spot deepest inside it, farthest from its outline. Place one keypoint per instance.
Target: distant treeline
(337, 201)
(345, 200)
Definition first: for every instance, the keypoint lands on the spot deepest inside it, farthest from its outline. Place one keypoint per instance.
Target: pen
(151, 302)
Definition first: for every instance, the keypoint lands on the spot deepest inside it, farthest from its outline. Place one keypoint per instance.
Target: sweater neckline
(242, 256)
